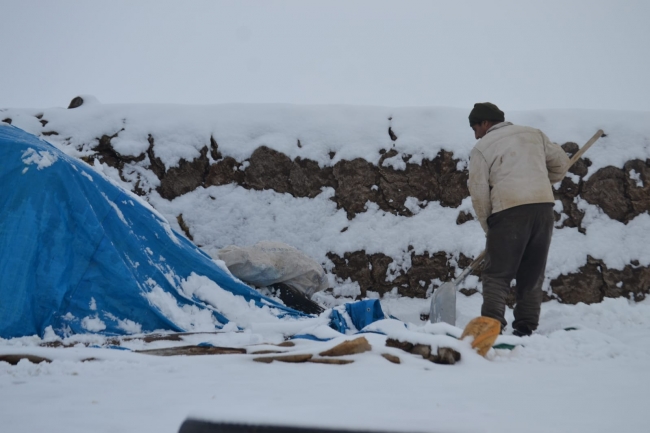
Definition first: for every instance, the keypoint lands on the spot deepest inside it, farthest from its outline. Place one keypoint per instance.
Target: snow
(127, 325)
(42, 159)
(636, 177)
(117, 210)
(219, 216)
(190, 317)
(93, 324)
(180, 131)
(594, 378)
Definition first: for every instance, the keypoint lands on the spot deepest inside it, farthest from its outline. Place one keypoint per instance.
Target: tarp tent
(80, 254)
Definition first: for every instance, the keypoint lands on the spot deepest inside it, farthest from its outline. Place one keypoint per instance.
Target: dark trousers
(517, 246)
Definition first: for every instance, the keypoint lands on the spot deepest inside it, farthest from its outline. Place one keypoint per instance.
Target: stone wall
(610, 188)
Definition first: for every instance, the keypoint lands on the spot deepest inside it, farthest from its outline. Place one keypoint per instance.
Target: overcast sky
(518, 54)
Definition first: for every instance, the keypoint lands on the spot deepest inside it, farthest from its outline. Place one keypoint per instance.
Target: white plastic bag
(270, 262)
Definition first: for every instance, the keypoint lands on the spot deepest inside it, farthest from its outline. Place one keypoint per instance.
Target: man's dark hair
(485, 111)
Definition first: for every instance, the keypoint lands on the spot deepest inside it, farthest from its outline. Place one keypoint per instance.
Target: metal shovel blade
(443, 301)
(443, 304)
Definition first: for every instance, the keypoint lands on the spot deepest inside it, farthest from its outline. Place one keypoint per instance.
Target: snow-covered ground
(594, 378)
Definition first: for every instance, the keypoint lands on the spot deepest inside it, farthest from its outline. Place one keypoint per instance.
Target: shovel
(443, 301)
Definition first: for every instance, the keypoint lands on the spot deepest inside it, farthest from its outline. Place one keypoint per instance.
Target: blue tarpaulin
(360, 313)
(80, 254)
(363, 313)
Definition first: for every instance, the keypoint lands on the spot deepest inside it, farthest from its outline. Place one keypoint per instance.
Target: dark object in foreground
(77, 101)
(194, 350)
(444, 355)
(197, 426)
(15, 359)
(295, 299)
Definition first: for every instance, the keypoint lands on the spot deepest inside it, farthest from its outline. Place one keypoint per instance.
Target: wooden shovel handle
(584, 148)
(477, 261)
(471, 268)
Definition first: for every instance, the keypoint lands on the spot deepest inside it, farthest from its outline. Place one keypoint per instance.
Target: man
(510, 175)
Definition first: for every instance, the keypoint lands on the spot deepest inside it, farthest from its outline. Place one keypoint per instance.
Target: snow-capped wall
(378, 195)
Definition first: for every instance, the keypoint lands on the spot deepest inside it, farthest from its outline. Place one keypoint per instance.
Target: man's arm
(557, 160)
(479, 187)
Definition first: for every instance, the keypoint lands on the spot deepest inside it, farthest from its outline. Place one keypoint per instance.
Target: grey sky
(519, 54)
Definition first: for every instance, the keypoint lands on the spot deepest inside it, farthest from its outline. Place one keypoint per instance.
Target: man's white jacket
(511, 166)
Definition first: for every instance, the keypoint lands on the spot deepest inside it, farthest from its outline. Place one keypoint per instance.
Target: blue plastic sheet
(75, 247)
(309, 337)
(337, 322)
(363, 313)
(360, 313)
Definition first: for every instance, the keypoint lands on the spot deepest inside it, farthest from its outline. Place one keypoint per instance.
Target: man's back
(516, 164)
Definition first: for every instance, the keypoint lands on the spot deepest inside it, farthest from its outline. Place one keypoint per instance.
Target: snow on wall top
(180, 131)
